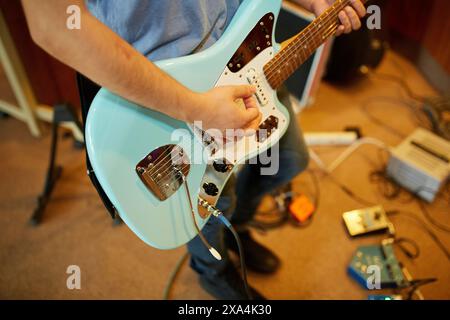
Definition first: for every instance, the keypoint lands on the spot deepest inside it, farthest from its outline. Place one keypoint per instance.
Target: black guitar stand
(62, 113)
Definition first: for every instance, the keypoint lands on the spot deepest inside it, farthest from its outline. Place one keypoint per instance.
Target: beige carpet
(115, 264)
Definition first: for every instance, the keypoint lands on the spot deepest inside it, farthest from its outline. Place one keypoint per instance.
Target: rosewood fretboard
(303, 45)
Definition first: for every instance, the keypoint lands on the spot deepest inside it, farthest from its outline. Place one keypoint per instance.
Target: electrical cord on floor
(280, 215)
(394, 191)
(342, 157)
(431, 112)
(184, 257)
(365, 107)
(400, 81)
(391, 190)
(430, 218)
(173, 275)
(351, 193)
(422, 225)
(411, 254)
(416, 284)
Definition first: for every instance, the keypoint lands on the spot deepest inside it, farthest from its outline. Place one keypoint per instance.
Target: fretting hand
(350, 17)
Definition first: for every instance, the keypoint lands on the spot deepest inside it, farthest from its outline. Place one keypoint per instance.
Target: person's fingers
(359, 8)
(250, 115)
(320, 7)
(253, 125)
(345, 22)
(340, 30)
(354, 19)
(250, 102)
(244, 91)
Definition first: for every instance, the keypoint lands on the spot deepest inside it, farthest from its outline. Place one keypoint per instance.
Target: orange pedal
(301, 208)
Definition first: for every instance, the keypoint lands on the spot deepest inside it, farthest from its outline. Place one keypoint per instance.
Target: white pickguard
(248, 147)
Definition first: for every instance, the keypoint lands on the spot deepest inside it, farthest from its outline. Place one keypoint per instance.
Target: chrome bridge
(162, 170)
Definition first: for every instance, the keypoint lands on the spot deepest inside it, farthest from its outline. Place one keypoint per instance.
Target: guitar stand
(62, 113)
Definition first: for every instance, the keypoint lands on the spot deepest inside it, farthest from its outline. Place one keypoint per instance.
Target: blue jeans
(241, 196)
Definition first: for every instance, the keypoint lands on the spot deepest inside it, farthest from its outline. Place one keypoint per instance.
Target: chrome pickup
(254, 80)
(266, 128)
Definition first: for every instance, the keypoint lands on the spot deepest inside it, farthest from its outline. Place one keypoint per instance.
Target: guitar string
(168, 164)
(154, 173)
(158, 165)
(294, 50)
(269, 78)
(171, 167)
(205, 134)
(280, 75)
(169, 178)
(299, 42)
(155, 162)
(328, 16)
(306, 37)
(271, 74)
(276, 75)
(164, 165)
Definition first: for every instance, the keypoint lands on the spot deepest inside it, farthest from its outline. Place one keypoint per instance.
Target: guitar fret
(300, 49)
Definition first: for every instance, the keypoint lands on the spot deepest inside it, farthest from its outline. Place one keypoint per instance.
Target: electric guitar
(147, 162)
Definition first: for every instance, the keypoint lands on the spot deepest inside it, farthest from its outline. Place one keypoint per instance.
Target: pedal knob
(221, 166)
(210, 189)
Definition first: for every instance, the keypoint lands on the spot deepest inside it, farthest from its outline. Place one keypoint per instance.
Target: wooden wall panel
(52, 81)
(437, 37)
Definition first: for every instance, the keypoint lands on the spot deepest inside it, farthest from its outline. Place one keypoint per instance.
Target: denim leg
(292, 158)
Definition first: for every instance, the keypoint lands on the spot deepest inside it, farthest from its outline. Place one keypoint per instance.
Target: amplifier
(421, 163)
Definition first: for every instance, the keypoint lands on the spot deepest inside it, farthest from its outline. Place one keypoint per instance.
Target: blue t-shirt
(162, 29)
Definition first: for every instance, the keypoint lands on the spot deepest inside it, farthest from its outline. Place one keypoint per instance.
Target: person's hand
(349, 17)
(230, 107)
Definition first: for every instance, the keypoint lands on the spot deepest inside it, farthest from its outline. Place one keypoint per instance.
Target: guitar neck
(290, 58)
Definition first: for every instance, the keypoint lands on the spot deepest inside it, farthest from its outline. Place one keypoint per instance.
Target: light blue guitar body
(119, 134)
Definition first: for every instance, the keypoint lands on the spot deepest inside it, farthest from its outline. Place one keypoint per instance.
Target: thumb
(244, 91)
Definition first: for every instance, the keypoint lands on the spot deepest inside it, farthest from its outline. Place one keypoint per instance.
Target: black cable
(386, 186)
(350, 193)
(422, 225)
(430, 218)
(399, 241)
(227, 223)
(418, 108)
(382, 123)
(401, 82)
(391, 190)
(283, 216)
(316, 184)
(416, 284)
(173, 275)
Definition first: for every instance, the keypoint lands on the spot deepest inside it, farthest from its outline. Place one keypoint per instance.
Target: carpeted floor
(115, 264)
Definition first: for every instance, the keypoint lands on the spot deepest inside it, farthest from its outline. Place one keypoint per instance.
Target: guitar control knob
(221, 166)
(210, 189)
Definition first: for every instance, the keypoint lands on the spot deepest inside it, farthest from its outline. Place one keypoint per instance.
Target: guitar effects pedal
(368, 220)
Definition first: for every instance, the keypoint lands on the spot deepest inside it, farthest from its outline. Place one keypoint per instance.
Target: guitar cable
(227, 224)
(211, 249)
(219, 215)
(184, 257)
